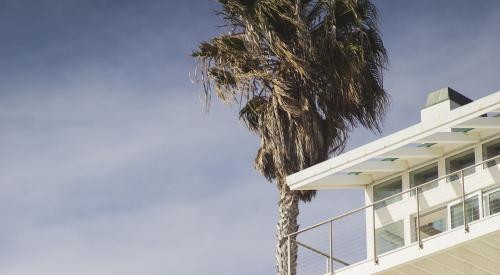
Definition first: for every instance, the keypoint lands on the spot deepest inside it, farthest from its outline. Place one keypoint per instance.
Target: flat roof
(397, 152)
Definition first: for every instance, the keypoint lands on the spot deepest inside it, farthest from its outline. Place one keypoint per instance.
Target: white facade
(450, 157)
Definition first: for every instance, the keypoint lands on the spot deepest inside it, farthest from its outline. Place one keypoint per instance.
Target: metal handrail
(458, 172)
(321, 253)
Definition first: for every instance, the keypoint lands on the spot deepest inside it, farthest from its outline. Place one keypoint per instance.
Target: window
(491, 150)
(471, 210)
(493, 201)
(387, 189)
(460, 161)
(389, 237)
(431, 223)
(424, 175)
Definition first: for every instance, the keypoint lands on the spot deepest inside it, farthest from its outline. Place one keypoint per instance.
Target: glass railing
(371, 231)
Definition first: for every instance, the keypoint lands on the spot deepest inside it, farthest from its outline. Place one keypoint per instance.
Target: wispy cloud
(110, 164)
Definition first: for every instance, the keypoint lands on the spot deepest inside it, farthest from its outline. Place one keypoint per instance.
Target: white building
(415, 183)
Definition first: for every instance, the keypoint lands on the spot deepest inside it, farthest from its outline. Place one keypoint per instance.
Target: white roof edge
(380, 146)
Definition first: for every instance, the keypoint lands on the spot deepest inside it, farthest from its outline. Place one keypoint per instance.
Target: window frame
(456, 153)
(413, 222)
(479, 195)
(429, 185)
(486, 201)
(391, 201)
(493, 140)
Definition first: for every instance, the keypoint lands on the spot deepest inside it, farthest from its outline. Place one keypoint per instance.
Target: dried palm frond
(304, 72)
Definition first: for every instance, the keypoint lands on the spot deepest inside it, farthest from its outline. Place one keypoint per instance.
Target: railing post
(330, 260)
(462, 182)
(419, 238)
(375, 257)
(289, 256)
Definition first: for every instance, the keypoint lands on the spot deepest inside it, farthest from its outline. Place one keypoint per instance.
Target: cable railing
(361, 234)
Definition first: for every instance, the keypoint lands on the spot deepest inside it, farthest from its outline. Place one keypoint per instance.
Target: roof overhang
(356, 168)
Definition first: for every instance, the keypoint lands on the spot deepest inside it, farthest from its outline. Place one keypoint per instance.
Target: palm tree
(304, 73)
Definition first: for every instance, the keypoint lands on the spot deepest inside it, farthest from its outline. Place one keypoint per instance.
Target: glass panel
(490, 150)
(471, 209)
(389, 237)
(424, 175)
(494, 202)
(460, 161)
(431, 223)
(387, 189)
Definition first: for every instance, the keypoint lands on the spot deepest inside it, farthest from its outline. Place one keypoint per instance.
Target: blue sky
(110, 165)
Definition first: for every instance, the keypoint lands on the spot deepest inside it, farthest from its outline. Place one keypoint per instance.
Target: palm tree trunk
(288, 213)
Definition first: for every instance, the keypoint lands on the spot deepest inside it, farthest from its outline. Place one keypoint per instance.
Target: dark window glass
(491, 150)
(494, 202)
(424, 175)
(387, 189)
(460, 161)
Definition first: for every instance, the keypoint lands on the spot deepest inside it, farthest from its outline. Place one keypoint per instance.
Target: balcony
(450, 225)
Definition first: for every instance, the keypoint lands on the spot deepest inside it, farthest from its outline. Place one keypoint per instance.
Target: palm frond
(305, 73)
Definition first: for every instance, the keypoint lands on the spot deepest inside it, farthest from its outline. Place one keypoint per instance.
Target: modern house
(432, 197)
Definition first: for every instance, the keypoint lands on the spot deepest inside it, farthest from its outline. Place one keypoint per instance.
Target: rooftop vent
(442, 101)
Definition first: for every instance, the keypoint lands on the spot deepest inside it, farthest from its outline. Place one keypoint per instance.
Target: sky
(110, 164)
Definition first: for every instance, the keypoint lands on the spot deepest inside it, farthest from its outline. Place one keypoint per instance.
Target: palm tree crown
(305, 72)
